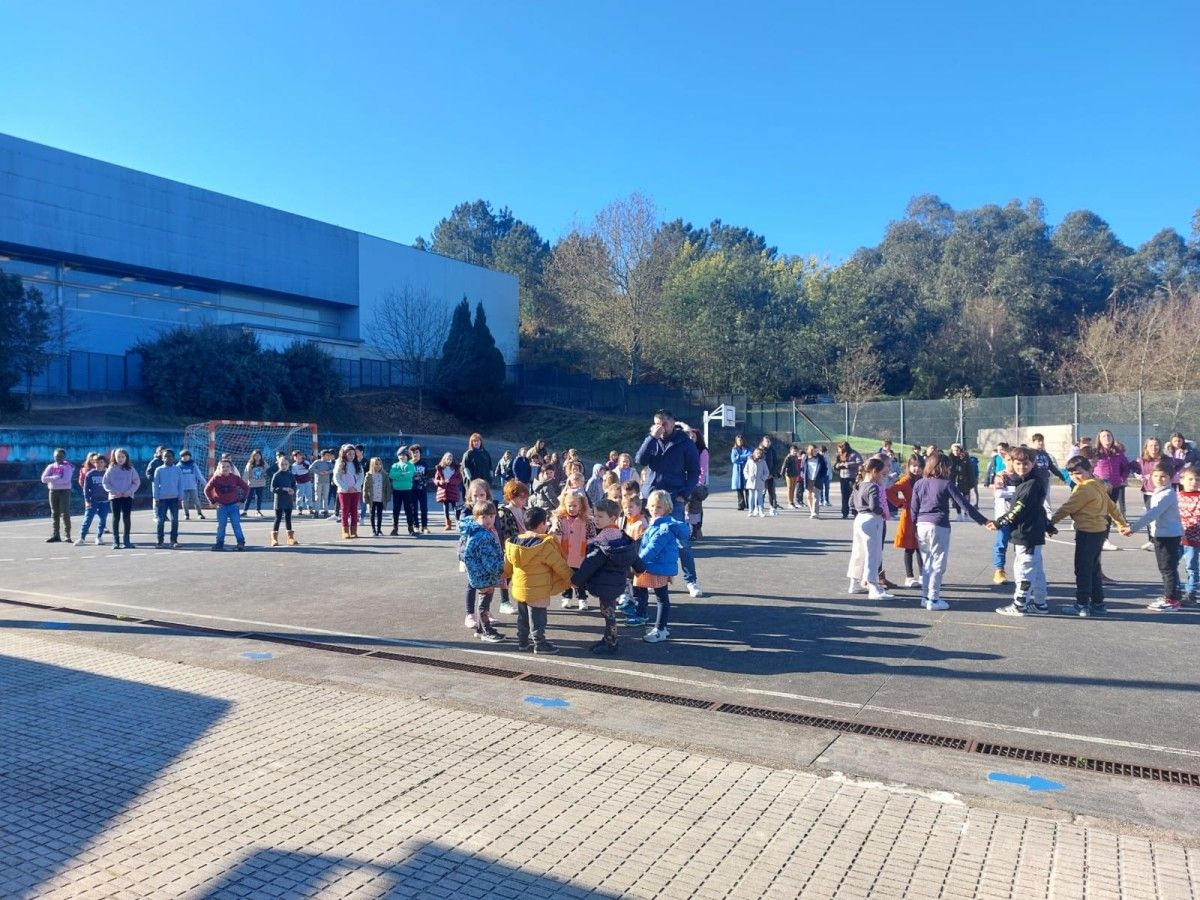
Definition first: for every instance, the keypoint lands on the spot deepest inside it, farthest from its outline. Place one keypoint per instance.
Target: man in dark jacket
(674, 462)
(1026, 517)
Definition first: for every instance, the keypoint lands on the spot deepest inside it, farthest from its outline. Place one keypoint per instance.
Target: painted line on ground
(653, 676)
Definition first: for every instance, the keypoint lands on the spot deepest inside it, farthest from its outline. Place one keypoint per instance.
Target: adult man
(674, 463)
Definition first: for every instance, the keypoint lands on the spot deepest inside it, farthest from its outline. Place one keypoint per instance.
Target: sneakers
(566, 602)
(1165, 605)
(507, 608)
(545, 648)
(581, 604)
(601, 647)
(1149, 545)
(880, 595)
(99, 540)
(54, 539)
(491, 636)
(635, 621)
(856, 587)
(1109, 545)
(217, 548)
(395, 531)
(656, 635)
(524, 648)
(774, 510)
(1037, 609)
(693, 589)
(999, 577)
(626, 605)
(470, 621)
(81, 542)
(935, 605)
(1074, 609)
(912, 582)
(1011, 610)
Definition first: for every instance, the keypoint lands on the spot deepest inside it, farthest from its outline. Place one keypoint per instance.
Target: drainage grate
(1087, 764)
(862, 728)
(612, 690)
(1022, 754)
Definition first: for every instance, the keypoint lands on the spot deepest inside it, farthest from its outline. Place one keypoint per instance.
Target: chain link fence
(979, 423)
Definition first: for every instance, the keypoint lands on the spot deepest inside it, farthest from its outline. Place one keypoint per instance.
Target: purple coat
(1113, 470)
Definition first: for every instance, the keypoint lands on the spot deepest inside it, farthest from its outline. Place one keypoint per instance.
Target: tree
(407, 328)
(611, 276)
(310, 383)
(32, 334)
(12, 299)
(858, 379)
(471, 372)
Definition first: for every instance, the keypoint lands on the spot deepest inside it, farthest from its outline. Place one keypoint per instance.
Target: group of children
(618, 549)
(1020, 480)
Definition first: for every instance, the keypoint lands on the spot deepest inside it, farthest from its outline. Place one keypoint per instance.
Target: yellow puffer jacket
(536, 568)
(1090, 506)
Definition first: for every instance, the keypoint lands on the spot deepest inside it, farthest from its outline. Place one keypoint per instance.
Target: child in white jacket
(756, 473)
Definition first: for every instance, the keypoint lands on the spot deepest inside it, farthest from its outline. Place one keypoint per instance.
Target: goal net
(210, 441)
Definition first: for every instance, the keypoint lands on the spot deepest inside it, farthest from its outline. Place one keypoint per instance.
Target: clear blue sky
(811, 123)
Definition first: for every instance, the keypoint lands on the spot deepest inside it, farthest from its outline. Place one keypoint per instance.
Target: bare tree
(857, 379)
(612, 273)
(409, 328)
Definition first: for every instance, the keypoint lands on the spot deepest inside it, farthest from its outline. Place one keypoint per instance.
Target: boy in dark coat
(605, 569)
(1026, 517)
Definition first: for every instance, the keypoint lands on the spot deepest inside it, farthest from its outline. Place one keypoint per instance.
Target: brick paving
(122, 776)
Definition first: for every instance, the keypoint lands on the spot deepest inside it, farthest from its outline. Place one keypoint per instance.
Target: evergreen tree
(471, 372)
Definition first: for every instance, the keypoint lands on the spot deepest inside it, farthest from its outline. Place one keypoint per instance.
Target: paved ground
(124, 776)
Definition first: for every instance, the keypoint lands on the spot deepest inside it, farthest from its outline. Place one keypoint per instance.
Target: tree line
(979, 302)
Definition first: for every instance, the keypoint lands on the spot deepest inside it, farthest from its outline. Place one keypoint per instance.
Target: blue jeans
(686, 560)
(1191, 572)
(98, 510)
(162, 509)
(1000, 546)
(229, 514)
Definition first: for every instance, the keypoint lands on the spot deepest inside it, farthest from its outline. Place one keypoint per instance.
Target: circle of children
(621, 537)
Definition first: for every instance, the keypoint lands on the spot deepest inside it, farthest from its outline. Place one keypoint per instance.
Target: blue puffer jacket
(481, 553)
(660, 545)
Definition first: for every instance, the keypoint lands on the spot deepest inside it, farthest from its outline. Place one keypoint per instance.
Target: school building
(122, 255)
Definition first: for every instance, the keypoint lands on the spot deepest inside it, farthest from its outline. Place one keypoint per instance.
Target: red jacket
(223, 490)
(449, 490)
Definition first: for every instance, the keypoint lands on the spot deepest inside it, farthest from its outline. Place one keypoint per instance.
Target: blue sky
(812, 124)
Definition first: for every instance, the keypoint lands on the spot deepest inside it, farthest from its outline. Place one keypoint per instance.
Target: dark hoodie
(606, 566)
(1027, 513)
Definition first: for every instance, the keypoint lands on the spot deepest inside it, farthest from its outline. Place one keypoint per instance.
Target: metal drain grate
(612, 690)
(1087, 764)
(847, 727)
(1022, 754)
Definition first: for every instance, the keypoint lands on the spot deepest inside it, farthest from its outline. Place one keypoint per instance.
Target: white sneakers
(656, 635)
(935, 605)
(1109, 545)
(1149, 545)
(880, 594)
(582, 605)
(912, 582)
(856, 587)
(693, 588)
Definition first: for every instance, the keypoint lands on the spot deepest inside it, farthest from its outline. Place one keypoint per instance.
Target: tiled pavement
(129, 777)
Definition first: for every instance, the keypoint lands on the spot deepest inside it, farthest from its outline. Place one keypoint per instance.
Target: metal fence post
(962, 426)
(1141, 423)
(1075, 418)
(1017, 418)
(846, 410)
(794, 423)
(902, 441)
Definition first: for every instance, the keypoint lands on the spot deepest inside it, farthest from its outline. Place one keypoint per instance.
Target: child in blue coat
(659, 553)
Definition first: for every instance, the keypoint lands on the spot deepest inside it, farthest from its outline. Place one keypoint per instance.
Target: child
(1152, 455)
(304, 483)
(612, 486)
(898, 497)
(58, 477)
(612, 462)
(348, 477)
(536, 568)
(1189, 516)
(930, 509)
(866, 551)
(483, 554)
(1091, 507)
(193, 483)
(322, 483)
(167, 486)
(478, 491)
(155, 461)
(510, 522)
(449, 481)
(1027, 524)
(594, 488)
(755, 474)
(226, 490)
(377, 489)
(1002, 492)
(605, 569)
(792, 471)
(421, 478)
(1166, 531)
(401, 475)
(624, 468)
(121, 480)
(659, 553)
(816, 469)
(255, 475)
(95, 499)
(283, 489)
(634, 523)
(573, 527)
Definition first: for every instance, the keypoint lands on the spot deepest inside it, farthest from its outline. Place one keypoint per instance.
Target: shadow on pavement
(76, 749)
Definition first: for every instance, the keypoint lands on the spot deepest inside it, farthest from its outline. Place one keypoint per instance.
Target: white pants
(1030, 576)
(934, 544)
(866, 552)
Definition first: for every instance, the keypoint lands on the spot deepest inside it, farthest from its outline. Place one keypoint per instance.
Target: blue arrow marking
(258, 654)
(1034, 783)
(549, 702)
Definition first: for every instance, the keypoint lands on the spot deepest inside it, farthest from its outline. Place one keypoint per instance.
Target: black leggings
(376, 516)
(908, 562)
(122, 510)
(283, 515)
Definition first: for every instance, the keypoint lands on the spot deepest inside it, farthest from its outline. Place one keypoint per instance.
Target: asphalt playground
(775, 630)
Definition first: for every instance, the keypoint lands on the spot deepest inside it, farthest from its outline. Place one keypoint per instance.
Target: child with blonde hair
(348, 477)
(377, 490)
(659, 553)
(448, 480)
(483, 554)
(573, 526)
